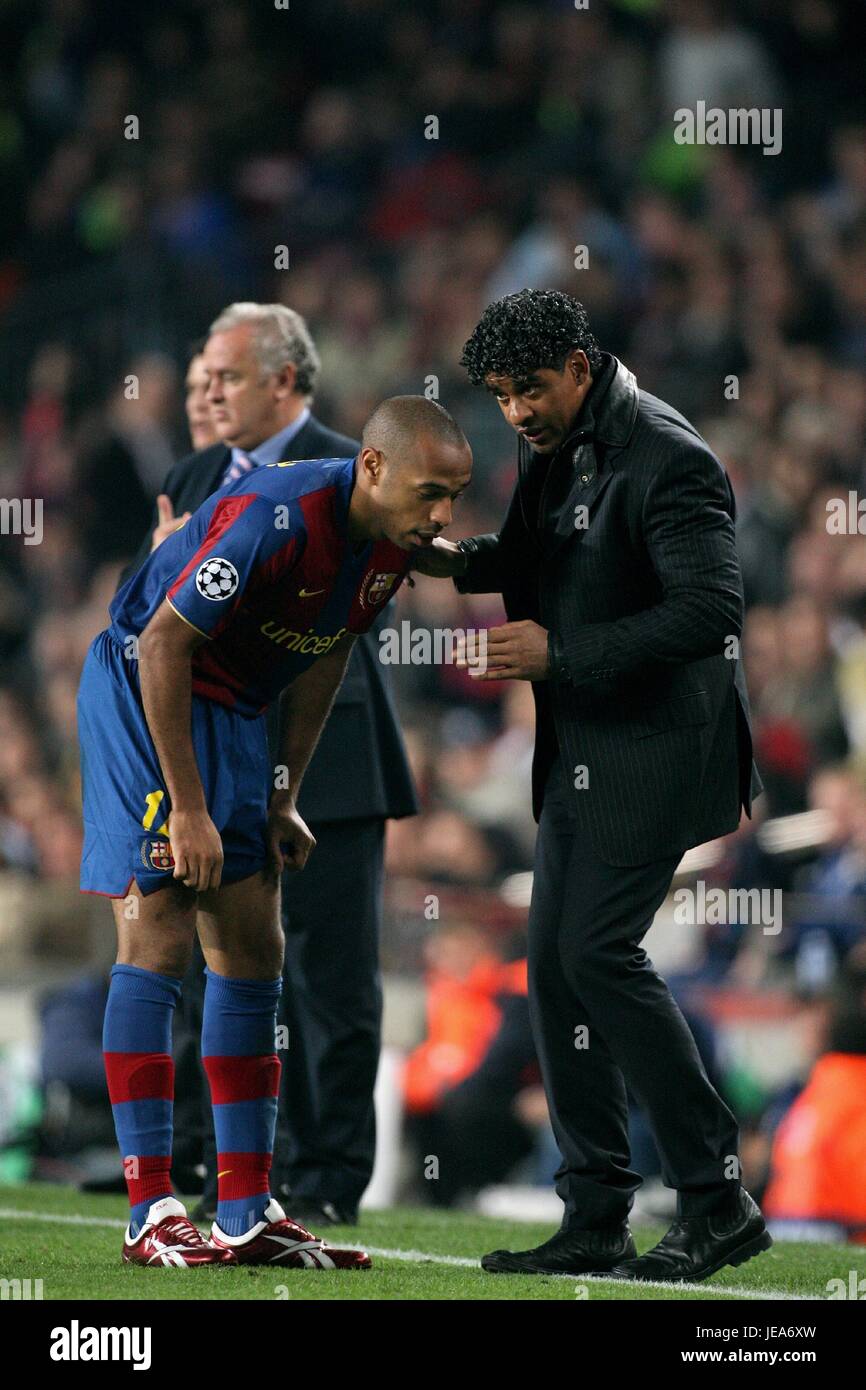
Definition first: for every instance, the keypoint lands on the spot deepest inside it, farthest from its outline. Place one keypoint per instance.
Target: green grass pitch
(72, 1243)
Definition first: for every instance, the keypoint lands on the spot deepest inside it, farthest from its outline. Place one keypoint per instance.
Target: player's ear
(371, 462)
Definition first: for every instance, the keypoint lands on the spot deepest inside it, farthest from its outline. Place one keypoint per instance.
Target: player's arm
(304, 707)
(165, 650)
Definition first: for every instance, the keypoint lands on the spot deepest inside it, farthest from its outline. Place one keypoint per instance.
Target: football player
(187, 826)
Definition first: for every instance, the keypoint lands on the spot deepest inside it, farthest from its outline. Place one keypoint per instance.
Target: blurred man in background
(261, 366)
(198, 414)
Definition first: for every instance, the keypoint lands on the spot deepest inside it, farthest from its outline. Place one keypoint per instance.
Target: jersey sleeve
(244, 545)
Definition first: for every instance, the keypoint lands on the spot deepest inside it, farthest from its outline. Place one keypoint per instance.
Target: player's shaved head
(414, 462)
(396, 426)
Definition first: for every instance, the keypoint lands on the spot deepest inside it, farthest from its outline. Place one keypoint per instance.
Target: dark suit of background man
(261, 365)
(619, 573)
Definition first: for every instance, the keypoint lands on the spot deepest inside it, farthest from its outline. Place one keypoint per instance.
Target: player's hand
(289, 838)
(440, 559)
(197, 849)
(514, 651)
(168, 522)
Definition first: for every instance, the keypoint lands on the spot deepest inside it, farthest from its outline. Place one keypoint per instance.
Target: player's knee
(158, 935)
(158, 957)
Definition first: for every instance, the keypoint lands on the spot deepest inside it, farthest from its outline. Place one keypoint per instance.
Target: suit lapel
(303, 446)
(588, 481)
(216, 468)
(608, 422)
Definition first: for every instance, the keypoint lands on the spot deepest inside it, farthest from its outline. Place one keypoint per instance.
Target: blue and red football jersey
(265, 569)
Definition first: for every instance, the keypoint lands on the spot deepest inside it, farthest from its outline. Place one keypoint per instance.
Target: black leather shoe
(568, 1252)
(697, 1246)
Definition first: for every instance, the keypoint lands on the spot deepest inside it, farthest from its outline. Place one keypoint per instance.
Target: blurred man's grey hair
(280, 336)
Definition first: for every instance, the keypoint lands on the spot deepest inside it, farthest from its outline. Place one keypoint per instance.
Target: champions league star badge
(216, 579)
(156, 854)
(376, 588)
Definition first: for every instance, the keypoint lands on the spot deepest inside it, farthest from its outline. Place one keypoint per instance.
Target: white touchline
(458, 1261)
(422, 1257)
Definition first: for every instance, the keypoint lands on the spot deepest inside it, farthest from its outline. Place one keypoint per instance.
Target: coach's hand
(197, 849)
(289, 839)
(440, 559)
(168, 522)
(514, 651)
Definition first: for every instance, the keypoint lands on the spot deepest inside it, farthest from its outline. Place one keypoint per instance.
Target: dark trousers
(601, 1017)
(332, 1003)
(332, 1007)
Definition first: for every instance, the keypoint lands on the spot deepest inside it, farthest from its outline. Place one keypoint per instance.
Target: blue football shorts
(126, 804)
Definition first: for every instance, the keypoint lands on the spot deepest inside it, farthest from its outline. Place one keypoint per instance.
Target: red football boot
(168, 1237)
(279, 1241)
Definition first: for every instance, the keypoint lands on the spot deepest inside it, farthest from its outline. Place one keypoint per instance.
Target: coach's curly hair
(524, 331)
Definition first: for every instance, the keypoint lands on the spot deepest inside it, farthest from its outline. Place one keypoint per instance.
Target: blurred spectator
(799, 715)
(123, 470)
(462, 1083)
(201, 431)
(828, 920)
(819, 1152)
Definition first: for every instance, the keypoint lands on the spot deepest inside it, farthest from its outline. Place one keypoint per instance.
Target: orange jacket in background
(462, 1019)
(818, 1164)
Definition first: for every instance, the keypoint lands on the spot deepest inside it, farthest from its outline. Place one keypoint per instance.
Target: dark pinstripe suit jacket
(623, 548)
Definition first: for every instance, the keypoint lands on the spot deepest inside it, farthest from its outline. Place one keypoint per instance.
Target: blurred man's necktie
(240, 464)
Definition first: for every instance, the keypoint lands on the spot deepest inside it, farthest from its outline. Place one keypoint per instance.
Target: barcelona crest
(377, 587)
(156, 854)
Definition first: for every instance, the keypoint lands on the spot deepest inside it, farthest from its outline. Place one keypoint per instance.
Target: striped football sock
(136, 1045)
(237, 1049)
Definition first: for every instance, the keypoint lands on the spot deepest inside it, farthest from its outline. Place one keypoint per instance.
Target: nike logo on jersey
(309, 593)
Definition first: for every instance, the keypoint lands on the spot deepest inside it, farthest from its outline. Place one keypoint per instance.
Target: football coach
(619, 573)
(261, 366)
